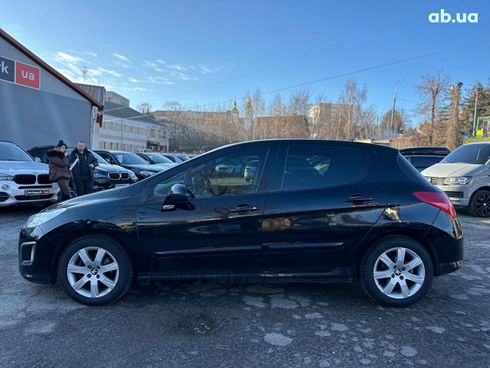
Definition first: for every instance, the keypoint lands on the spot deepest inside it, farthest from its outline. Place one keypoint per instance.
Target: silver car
(23, 180)
(465, 177)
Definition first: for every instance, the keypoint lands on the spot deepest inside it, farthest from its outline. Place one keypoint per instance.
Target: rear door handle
(358, 198)
(241, 208)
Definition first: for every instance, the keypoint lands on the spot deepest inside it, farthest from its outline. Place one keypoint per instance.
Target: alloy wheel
(399, 273)
(92, 272)
(482, 204)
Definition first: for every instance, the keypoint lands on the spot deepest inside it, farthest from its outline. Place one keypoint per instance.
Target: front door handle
(241, 208)
(358, 198)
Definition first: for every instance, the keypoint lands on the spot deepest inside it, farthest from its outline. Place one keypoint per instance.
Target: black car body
(423, 157)
(130, 161)
(313, 210)
(106, 176)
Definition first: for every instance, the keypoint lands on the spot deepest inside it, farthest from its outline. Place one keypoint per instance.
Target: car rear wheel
(397, 271)
(480, 204)
(95, 270)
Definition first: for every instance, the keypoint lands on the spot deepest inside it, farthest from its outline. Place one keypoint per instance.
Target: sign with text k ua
(20, 73)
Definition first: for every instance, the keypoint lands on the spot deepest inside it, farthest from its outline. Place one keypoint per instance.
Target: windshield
(127, 158)
(159, 159)
(476, 154)
(11, 152)
(99, 158)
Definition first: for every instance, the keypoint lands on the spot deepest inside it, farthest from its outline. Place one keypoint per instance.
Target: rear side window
(311, 167)
(409, 170)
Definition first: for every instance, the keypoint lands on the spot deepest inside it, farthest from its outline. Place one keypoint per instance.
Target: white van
(464, 175)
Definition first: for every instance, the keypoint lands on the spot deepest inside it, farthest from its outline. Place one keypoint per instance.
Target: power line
(357, 71)
(302, 56)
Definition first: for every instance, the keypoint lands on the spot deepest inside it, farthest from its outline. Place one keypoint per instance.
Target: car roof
(425, 150)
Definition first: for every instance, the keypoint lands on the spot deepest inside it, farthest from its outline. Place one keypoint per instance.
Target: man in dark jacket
(83, 164)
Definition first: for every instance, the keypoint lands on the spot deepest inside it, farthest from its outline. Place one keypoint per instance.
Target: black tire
(369, 262)
(115, 251)
(480, 204)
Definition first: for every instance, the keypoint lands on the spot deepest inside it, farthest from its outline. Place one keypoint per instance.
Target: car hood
(112, 168)
(443, 170)
(87, 199)
(144, 167)
(23, 167)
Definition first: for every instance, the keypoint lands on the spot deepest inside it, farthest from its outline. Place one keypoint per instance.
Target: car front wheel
(95, 270)
(397, 272)
(480, 204)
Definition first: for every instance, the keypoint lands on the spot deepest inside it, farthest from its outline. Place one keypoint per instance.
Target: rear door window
(312, 167)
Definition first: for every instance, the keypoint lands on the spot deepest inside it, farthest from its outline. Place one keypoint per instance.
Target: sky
(211, 52)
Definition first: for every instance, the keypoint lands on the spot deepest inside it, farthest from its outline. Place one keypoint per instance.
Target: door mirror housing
(177, 194)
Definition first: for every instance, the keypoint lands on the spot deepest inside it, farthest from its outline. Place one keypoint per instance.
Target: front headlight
(133, 176)
(5, 177)
(99, 175)
(146, 173)
(42, 217)
(462, 180)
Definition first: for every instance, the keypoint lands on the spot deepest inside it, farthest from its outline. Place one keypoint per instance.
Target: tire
(480, 204)
(95, 270)
(408, 285)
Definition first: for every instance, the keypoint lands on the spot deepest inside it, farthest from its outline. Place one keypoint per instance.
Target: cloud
(121, 57)
(111, 72)
(65, 58)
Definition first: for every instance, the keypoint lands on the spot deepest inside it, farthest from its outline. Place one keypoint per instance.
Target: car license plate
(35, 192)
(121, 185)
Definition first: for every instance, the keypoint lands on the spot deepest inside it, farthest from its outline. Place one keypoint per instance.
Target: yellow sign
(479, 133)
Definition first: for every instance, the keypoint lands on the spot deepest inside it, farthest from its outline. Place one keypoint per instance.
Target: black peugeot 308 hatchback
(310, 210)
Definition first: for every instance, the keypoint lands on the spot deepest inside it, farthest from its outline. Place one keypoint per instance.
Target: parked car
(423, 157)
(130, 161)
(157, 159)
(465, 177)
(356, 211)
(106, 176)
(22, 179)
(229, 167)
(174, 157)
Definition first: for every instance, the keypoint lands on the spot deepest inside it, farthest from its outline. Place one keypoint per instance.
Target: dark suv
(106, 176)
(423, 157)
(310, 210)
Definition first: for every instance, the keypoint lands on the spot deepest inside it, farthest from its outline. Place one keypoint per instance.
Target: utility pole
(474, 112)
(393, 113)
(453, 134)
(84, 73)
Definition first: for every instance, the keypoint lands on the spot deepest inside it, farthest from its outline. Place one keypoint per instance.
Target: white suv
(22, 179)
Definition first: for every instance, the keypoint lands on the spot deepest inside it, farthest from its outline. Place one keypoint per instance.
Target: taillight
(437, 199)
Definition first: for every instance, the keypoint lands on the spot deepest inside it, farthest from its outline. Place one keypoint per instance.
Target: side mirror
(176, 195)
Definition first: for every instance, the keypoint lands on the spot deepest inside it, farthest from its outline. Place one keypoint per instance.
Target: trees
(144, 108)
(394, 122)
(433, 90)
(470, 101)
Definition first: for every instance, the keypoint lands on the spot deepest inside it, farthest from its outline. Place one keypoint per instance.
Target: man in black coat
(83, 163)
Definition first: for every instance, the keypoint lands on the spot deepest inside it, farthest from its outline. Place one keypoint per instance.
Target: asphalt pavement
(246, 325)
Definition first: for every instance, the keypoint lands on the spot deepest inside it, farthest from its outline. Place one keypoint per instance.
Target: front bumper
(458, 194)
(34, 260)
(12, 193)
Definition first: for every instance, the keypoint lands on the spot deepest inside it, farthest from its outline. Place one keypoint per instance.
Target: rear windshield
(424, 161)
(476, 154)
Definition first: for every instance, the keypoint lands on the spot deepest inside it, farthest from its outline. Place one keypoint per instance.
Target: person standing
(83, 164)
(59, 169)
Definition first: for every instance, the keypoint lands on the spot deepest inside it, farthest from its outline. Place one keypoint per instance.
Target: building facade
(38, 105)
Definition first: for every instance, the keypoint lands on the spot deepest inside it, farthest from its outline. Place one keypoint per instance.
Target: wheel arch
(394, 233)
(115, 236)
